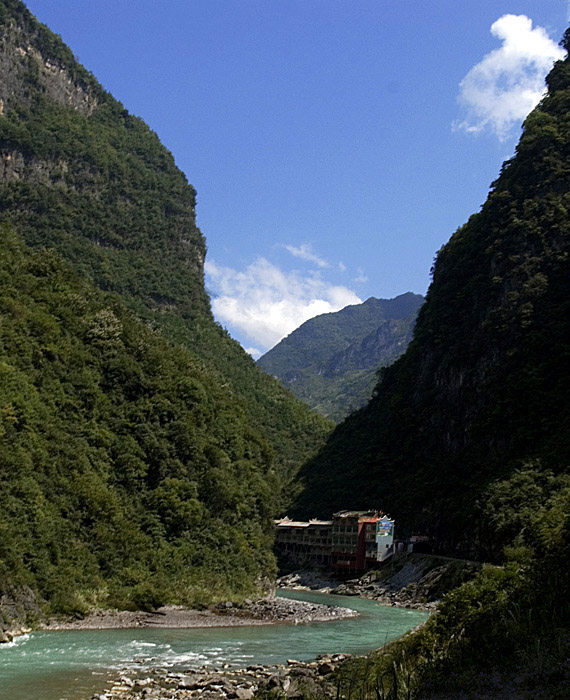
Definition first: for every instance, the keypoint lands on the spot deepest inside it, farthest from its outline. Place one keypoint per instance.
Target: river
(74, 665)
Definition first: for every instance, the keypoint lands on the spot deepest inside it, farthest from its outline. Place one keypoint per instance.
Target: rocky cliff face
(19, 612)
(67, 146)
(25, 47)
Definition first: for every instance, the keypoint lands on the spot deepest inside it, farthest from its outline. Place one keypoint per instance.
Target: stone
(141, 683)
(189, 683)
(274, 681)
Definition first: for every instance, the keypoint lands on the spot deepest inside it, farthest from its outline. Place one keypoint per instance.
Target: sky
(335, 145)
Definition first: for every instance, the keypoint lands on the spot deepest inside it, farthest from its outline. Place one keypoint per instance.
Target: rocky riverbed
(416, 581)
(296, 680)
(261, 612)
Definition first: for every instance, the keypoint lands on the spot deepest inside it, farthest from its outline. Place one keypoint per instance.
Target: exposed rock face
(417, 581)
(15, 165)
(413, 581)
(19, 611)
(20, 48)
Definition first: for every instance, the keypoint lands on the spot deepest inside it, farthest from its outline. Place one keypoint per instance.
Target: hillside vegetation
(467, 439)
(80, 174)
(506, 633)
(130, 476)
(331, 361)
(483, 387)
(143, 452)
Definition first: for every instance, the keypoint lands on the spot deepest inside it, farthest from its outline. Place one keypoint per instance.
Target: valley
(146, 460)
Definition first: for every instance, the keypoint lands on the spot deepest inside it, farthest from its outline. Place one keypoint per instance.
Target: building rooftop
(287, 522)
(356, 514)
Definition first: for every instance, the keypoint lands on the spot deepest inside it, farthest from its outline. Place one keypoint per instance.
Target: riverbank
(266, 611)
(80, 664)
(415, 581)
(294, 680)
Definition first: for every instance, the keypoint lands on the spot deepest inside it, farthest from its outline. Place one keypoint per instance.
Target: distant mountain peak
(331, 360)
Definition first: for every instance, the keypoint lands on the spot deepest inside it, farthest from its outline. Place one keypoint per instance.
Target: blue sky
(335, 144)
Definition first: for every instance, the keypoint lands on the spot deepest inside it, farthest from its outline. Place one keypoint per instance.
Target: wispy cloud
(254, 352)
(360, 276)
(508, 83)
(265, 304)
(305, 252)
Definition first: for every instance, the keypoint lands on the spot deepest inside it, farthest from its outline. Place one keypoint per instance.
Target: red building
(352, 542)
(354, 546)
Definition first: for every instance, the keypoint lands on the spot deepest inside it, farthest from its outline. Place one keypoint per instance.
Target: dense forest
(331, 361)
(130, 476)
(143, 450)
(143, 453)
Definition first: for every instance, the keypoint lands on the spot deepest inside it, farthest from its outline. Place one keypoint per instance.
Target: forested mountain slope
(331, 361)
(131, 420)
(485, 382)
(82, 175)
(129, 474)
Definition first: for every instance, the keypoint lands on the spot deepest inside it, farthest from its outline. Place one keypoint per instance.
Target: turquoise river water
(74, 665)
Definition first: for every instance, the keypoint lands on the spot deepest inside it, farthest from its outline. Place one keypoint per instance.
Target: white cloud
(508, 83)
(342, 267)
(305, 252)
(361, 277)
(266, 304)
(254, 352)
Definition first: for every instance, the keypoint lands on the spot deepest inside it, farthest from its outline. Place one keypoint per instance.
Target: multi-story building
(354, 546)
(304, 541)
(352, 541)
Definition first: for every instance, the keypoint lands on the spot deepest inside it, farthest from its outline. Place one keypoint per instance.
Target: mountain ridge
(331, 360)
(162, 428)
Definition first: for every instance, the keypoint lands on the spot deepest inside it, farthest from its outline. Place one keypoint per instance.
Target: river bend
(73, 665)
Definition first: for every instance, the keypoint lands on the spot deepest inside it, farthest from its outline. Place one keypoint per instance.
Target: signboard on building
(384, 537)
(384, 527)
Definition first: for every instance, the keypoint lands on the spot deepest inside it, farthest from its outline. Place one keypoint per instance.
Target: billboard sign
(384, 527)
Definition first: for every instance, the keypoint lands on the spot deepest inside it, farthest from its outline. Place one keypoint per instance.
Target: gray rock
(325, 668)
(189, 683)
